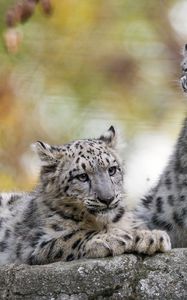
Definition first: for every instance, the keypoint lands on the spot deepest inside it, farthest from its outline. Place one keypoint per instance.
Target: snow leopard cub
(165, 207)
(77, 210)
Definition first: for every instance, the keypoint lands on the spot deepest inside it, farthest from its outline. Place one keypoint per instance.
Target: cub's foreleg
(76, 245)
(93, 244)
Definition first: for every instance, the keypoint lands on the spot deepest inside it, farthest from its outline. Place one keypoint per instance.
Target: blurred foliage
(90, 64)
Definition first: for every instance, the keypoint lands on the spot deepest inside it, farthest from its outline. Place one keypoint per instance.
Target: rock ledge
(162, 276)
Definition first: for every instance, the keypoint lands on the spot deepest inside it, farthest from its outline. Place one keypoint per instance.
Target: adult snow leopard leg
(165, 206)
(183, 79)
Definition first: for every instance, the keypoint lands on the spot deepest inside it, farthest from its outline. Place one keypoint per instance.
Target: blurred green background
(89, 65)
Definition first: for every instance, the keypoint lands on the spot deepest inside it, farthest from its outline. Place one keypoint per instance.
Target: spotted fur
(77, 210)
(165, 207)
(183, 79)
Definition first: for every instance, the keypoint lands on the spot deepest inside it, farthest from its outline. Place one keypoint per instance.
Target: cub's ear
(109, 137)
(47, 154)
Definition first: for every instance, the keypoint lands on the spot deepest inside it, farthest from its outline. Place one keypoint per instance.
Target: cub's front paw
(149, 242)
(119, 241)
(112, 243)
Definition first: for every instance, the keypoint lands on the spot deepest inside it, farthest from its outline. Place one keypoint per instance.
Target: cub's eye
(83, 177)
(112, 170)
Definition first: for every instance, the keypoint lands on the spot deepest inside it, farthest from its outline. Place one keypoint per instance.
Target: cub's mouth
(102, 210)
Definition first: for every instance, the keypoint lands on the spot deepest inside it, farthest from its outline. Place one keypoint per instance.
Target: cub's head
(87, 173)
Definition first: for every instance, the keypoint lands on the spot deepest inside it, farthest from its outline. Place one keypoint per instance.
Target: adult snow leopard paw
(149, 242)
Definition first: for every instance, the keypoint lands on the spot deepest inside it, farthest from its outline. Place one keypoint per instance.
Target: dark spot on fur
(77, 160)
(36, 238)
(182, 198)
(18, 249)
(12, 199)
(161, 223)
(168, 182)
(83, 166)
(147, 201)
(59, 254)
(76, 243)
(159, 205)
(185, 182)
(67, 216)
(80, 245)
(30, 219)
(89, 235)
(1, 222)
(3, 246)
(48, 169)
(178, 219)
(31, 260)
(69, 235)
(127, 237)
(107, 160)
(118, 215)
(122, 243)
(137, 239)
(171, 200)
(70, 257)
(7, 233)
(51, 247)
(66, 188)
(56, 227)
(44, 243)
(184, 212)
(92, 211)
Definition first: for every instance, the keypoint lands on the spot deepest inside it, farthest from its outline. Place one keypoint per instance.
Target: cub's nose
(105, 200)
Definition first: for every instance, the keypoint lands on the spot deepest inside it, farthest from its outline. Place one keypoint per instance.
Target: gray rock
(162, 276)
